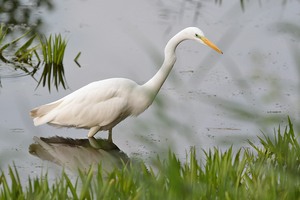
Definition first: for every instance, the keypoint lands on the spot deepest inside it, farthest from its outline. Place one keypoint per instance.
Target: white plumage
(103, 104)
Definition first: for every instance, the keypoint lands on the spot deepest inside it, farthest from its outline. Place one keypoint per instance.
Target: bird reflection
(80, 154)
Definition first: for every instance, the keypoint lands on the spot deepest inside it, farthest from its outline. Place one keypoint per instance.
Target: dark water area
(208, 100)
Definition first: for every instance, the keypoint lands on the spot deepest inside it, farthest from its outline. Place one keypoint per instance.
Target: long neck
(155, 83)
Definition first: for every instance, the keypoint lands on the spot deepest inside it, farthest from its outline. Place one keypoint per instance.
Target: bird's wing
(86, 115)
(97, 104)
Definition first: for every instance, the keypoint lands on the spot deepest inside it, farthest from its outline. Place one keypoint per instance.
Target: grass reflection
(23, 54)
(53, 50)
(22, 58)
(33, 54)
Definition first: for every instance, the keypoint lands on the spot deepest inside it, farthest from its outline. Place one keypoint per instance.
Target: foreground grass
(271, 170)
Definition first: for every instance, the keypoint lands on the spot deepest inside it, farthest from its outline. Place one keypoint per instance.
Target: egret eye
(198, 36)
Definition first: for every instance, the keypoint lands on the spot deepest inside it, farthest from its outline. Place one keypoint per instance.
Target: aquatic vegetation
(76, 59)
(268, 171)
(53, 50)
(23, 54)
(3, 31)
(47, 53)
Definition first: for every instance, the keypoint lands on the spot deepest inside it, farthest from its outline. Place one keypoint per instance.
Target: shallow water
(208, 100)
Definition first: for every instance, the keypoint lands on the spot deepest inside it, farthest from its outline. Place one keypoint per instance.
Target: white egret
(101, 105)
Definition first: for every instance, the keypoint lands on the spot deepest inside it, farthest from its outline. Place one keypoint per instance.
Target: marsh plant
(38, 51)
(53, 51)
(270, 170)
(23, 54)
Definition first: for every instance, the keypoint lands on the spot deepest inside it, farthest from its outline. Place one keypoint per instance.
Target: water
(208, 100)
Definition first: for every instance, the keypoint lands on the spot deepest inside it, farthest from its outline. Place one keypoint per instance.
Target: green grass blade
(86, 181)
(14, 41)
(3, 32)
(6, 192)
(25, 46)
(53, 50)
(76, 59)
(71, 187)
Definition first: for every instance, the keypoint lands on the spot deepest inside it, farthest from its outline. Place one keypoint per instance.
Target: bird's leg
(93, 131)
(110, 135)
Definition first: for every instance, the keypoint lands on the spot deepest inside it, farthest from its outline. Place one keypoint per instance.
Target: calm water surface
(208, 100)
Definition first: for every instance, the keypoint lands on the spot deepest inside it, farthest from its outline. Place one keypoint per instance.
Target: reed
(53, 50)
(23, 53)
(270, 170)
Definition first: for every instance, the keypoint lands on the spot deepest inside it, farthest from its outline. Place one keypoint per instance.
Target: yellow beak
(210, 44)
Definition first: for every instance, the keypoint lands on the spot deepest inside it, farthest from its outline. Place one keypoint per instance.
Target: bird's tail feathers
(43, 110)
(43, 114)
(41, 120)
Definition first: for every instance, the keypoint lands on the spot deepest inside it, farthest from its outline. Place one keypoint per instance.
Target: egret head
(195, 33)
